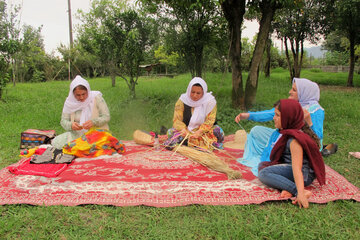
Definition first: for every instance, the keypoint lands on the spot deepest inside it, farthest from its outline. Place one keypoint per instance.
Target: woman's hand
(301, 200)
(196, 134)
(242, 116)
(88, 124)
(184, 132)
(76, 127)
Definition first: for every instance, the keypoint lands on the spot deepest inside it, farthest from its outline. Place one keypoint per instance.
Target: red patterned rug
(154, 178)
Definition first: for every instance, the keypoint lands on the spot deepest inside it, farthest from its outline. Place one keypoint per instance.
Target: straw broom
(209, 160)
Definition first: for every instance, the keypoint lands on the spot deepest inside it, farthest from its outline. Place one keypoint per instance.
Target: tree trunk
(288, 59)
(234, 11)
(112, 70)
(14, 68)
(352, 61)
(268, 11)
(301, 57)
(295, 52)
(268, 58)
(189, 60)
(113, 78)
(198, 60)
(132, 88)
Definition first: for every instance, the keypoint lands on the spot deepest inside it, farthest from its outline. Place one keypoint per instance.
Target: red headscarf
(292, 120)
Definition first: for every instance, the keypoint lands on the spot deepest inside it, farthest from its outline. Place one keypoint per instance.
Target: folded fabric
(52, 155)
(46, 170)
(94, 143)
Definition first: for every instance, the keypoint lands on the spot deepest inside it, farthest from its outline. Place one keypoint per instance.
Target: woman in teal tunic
(261, 140)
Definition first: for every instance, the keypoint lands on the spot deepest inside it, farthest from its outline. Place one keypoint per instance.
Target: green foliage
(4, 79)
(190, 27)
(347, 18)
(4, 48)
(338, 44)
(165, 58)
(38, 76)
(315, 70)
(118, 36)
(337, 58)
(294, 25)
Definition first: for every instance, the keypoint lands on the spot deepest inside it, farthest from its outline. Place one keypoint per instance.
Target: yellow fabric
(206, 140)
(94, 143)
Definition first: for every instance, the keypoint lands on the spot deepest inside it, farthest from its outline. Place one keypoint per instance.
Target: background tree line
(196, 36)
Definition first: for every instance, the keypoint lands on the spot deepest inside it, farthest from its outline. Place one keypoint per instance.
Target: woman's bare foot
(286, 194)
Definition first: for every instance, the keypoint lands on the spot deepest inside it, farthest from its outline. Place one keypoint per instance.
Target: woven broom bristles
(143, 138)
(209, 160)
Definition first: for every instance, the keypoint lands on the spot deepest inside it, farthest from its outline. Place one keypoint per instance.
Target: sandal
(329, 149)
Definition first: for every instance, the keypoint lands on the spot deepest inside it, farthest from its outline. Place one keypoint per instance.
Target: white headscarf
(308, 91)
(72, 105)
(202, 107)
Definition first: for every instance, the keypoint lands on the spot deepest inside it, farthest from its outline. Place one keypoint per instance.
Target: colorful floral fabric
(94, 143)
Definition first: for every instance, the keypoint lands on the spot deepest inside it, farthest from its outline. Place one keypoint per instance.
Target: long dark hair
(306, 128)
(197, 85)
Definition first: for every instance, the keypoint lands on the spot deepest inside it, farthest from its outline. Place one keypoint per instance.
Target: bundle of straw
(144, 138)
(209, 160)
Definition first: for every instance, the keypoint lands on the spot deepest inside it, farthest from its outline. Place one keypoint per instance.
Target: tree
(347, 21)
(30, 59)
(118, 36)
(9, 43)
(234, 12)
(165, 58)
(3, 49)
(267, 8)
(294, 25)
(193, 21)
(94, 36)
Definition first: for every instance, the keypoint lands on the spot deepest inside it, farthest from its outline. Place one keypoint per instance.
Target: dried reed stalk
(209, 160)
(220, 150)
(187, 135)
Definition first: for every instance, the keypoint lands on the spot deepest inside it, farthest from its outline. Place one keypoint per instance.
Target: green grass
(39, 105)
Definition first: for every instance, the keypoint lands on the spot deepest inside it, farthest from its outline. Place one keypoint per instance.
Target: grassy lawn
(39, 105)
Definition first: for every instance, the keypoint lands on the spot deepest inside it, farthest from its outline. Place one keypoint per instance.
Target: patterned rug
(144, 176)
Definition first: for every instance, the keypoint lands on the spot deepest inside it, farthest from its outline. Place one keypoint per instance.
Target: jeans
(281, 177)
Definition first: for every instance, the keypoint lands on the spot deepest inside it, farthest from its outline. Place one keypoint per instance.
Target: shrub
(315, 70)
(38, 76)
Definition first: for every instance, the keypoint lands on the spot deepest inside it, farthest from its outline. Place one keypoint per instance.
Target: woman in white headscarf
(83, 109)
(195, 116)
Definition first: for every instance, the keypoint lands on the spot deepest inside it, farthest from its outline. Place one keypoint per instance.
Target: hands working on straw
(196, 134)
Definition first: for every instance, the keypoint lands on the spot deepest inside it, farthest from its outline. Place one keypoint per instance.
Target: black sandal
(329, 149)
